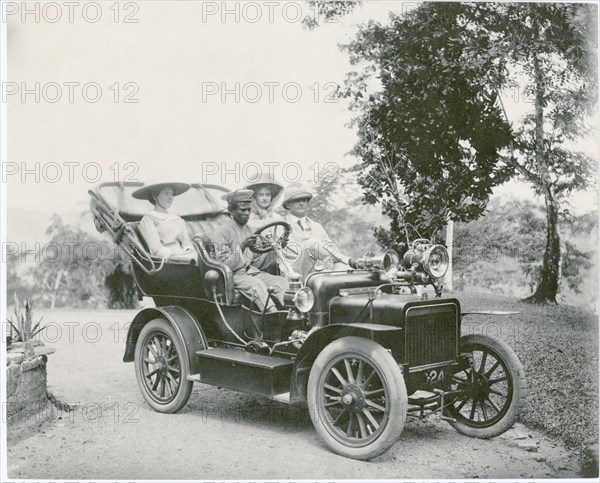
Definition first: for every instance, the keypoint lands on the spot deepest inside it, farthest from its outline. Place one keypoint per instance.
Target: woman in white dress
(165, 234)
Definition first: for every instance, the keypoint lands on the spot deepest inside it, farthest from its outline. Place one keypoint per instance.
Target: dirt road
(112, 433)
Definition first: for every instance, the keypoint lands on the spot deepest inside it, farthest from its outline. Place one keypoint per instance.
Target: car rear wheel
(492, 386)
(161, 367)
(357, 398)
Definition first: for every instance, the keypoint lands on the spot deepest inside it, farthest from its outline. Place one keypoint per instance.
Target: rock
(518, 431)
(528, 445)
(14, 358)
(31, 363)
(540, 458)
(42, 350)
(590, 462)
(520, 434)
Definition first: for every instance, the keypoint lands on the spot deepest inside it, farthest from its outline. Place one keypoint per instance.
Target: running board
(489, 312)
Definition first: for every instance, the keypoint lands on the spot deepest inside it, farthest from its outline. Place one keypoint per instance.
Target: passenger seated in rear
(165, 234)
(231, 242)
(267, 192)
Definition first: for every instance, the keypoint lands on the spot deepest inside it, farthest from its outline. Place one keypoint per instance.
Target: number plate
(435, 375)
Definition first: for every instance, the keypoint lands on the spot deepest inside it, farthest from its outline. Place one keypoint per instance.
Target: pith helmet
(295, 191)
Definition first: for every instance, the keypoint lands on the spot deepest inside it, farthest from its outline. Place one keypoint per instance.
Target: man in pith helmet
(317, 249)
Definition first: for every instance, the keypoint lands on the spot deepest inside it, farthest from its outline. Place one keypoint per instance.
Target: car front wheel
(357, 398)
(161, 367)
(491, 388)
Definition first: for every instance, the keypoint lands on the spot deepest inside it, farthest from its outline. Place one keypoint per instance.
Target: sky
(199, 92)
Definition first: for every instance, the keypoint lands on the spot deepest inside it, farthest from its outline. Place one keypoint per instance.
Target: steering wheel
(271, 241)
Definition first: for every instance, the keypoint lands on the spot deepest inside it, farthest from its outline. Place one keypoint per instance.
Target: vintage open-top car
(363, 347)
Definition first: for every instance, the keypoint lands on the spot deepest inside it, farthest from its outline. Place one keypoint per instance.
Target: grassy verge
(558, 347)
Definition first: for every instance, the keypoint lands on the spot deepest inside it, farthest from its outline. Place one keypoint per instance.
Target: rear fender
(185, 324)
(388, 336)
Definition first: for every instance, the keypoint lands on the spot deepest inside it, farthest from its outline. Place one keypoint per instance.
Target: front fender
(389, 337)
(184, 323)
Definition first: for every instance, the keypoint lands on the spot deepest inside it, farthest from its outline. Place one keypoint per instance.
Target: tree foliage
(430, 138)
(73, 269)
(554, 46)
(434, 137)
(17, 280)
(327, 11)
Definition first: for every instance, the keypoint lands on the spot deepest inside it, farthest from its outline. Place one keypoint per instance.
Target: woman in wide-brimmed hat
(165, 234)
(267, 192)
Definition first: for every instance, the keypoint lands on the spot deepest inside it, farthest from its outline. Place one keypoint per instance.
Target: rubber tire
(379, 357)
(519, 386)
(185, 387)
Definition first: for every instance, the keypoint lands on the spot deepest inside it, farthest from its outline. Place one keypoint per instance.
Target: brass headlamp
(424, 255)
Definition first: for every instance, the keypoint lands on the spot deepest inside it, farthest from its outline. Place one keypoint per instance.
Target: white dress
(166, 235)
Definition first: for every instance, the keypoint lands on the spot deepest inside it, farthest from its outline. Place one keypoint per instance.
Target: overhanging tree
(433, 136)
(430, 138)
(554, 47)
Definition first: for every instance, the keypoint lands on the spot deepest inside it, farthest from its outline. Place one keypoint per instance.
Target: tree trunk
(449, 245)
(551, 267)
(548, 287)
(55, 289)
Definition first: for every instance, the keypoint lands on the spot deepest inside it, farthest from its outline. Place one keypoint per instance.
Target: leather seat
(200, 231)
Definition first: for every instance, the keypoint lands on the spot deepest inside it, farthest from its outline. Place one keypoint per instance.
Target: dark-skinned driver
(231, 244)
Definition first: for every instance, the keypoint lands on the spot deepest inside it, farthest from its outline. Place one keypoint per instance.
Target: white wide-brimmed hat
(148, 191)
(267, 180)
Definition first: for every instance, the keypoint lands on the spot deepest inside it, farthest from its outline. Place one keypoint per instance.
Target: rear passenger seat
(204, 229)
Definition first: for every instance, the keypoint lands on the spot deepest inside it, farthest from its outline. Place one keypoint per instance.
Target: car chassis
(362, 347)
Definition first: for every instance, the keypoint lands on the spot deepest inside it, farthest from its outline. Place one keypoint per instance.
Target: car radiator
(431, 334)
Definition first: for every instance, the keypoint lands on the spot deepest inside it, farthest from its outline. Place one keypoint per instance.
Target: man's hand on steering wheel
(265, 243)
(249, 242)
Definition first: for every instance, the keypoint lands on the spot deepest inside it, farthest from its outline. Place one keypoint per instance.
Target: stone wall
(26, 391)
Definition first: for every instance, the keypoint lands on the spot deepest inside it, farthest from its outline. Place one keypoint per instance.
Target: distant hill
(29, 226)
